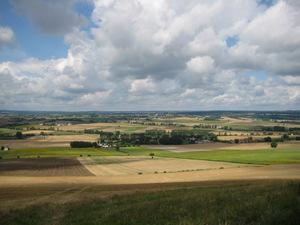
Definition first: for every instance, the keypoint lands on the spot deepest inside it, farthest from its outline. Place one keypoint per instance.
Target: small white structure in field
(4, 148)
(103, 145)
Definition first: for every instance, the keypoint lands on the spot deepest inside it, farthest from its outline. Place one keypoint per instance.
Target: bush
(285, 137)
(274, 144)
(267, 139)
(81, 144)
(19, 135)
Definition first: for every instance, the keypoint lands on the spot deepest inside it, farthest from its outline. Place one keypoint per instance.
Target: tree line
(175, 137)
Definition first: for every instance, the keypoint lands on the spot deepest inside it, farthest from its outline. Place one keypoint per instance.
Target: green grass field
(6, 133)
(260, 157)
(267, 203)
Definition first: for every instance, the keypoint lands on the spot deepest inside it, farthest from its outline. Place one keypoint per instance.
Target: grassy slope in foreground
(263, 157)
(58, 152)
(268, 203)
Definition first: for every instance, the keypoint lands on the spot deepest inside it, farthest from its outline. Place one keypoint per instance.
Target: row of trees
(175, 137)
(82, 144)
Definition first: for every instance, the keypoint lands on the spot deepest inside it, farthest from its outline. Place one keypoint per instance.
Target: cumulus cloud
(164, 54)
(142, 85)
(201, 65)
(7, 36)
(271, 41)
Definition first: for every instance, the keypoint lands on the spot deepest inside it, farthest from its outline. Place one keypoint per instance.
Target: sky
(81, 55)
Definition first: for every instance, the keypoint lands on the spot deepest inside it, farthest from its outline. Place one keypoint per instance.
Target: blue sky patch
(266, 2)
(29, 39)
(232, 41)
(84, 8)
(258, 74)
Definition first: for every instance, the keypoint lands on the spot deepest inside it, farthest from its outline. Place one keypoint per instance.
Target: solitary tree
(152, 155)
(285, 137)
(274, 144)
(19, 135)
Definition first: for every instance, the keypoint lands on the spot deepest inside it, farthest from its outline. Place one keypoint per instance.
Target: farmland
(43, 167)
(47, 141)
(57, 152)
(142, 168)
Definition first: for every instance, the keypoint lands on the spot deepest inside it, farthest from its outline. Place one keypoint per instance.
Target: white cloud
(94, 98)
(201, 65)
(7, 36)
(278, 29)
(142, 86)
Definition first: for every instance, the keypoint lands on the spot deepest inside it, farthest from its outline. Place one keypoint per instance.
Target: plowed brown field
(43, 167)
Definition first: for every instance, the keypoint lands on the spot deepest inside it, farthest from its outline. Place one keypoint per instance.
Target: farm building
(4, 148)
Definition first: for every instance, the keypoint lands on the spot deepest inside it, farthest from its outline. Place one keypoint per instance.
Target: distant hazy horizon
(147, 110)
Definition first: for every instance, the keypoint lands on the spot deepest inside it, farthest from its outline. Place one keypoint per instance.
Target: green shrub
(274, 144)
(81, 144)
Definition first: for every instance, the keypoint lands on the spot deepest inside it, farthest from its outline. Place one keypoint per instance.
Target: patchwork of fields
(41, 170)
(58, 179)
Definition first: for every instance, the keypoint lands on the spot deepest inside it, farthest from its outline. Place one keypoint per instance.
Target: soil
(43, 167)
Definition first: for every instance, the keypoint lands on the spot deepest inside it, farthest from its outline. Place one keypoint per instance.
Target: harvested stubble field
(190, 147)
(37, 132)
(255, 137)
(132, 165)
(221, 146)
(102, 126)
(43, 167)
(140, 170)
